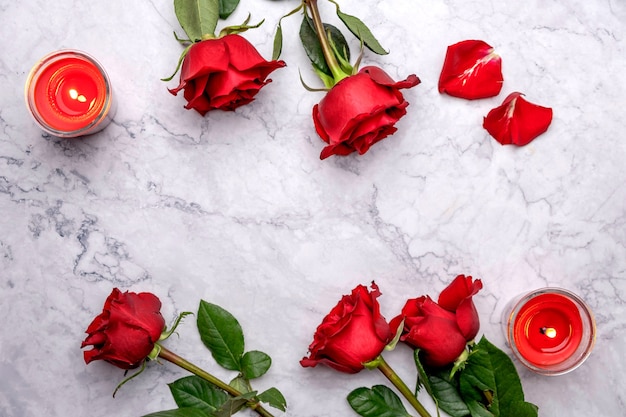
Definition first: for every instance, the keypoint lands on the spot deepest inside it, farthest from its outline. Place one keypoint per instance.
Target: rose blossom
(223, 73)
(517, 121)
(441, 330)
(353, 333)
(125, 332)
(360, 110)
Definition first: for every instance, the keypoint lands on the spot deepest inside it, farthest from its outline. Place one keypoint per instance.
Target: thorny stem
(402, 387)
(329, 56)
(188, 366)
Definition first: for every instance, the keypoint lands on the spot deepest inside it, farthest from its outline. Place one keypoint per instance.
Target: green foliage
(361, 31)
(274, 398)
(490, 378)
(488, 386)
(227, 7)
(197, 17)
(179, 412)
(254, 364)
(313, 47)
(278, 37)
(379, 401)
(221, 334)
(195, 392)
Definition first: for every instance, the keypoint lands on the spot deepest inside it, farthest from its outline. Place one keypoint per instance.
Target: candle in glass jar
(69, 94)
(550, 330)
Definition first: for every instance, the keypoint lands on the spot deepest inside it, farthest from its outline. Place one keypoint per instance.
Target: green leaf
(241, 384)
(478, 410)
(443, 391)
(222, 334)
(379, 401)
(197, 17)
(227, 7)
(447, 397)
(230, 407)
(195, 392)
(278, 43)
(313, 48)
(490, 379)
(361, 31)
(278, 37)
(254, 364)
(274, 398)
(179, 412)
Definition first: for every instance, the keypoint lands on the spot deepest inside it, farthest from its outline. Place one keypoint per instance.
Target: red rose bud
(223, 73)
(516, 121)
(433, 330)
(457, 298)
(360, 110)
(125, 332)
(471, 70)
(353, 333)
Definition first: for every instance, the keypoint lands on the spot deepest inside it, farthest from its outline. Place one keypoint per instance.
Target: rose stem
(329, 56)
(170, 356)
(401, 386)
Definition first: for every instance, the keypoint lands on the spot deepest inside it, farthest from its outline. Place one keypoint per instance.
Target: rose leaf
(179, 412)
(254, 364)
(221, 334)
(274, 398)
(379, 401)
(313, 48)
(195, 392)
(227, 7)
(361, 31)
(490, 381)
(197, 17)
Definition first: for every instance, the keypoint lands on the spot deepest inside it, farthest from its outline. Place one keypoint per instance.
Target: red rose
(126, 330)
(432, 329)
(457, 298)
(441, 330)
(516, 121)
(353, 333)
(471, 70)
(360, 110)
(223, 73)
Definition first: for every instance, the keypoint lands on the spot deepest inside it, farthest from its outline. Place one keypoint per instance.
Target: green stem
(402, 387)
(188, 366)
(329, 55)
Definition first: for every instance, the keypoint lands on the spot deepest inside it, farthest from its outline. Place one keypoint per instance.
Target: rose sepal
(236, 29)
(168, 332)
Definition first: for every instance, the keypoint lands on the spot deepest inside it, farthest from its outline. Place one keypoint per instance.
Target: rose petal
(471, 70)
(458, 290)
(517, 121)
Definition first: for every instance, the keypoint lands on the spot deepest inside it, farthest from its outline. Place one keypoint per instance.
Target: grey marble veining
(237, 209)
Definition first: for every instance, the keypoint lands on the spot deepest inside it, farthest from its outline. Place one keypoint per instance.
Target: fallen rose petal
(471, 70)
(517, 121)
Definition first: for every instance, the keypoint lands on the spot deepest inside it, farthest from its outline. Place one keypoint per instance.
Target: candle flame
(75, 96)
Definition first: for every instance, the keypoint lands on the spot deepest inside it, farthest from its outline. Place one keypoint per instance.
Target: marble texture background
(237, 209)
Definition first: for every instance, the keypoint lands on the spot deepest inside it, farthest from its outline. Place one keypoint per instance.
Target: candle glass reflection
(69, 94)
(551, 330)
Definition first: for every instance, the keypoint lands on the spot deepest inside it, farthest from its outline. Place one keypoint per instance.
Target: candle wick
(548, 331)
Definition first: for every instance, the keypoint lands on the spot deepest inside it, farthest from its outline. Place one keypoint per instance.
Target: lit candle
(69, 94)
(551, 330)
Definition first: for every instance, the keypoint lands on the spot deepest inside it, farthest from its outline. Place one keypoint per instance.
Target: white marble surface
(237, 208)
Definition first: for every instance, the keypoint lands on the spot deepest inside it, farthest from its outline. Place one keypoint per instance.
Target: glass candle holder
(69, 94)
(550, 330)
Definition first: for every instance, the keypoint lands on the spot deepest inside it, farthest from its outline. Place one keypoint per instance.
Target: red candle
(551, 330)
(69, 94)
